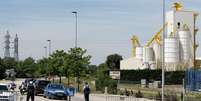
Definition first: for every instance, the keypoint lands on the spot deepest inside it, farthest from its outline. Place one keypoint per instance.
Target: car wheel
(65, 98)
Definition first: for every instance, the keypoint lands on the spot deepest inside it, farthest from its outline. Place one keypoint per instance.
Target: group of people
(31, 89)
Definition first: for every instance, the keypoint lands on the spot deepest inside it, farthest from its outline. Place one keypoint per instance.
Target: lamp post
(75, 13)
(49, 42)
(163, 52)
(45, 47)
(76, 78)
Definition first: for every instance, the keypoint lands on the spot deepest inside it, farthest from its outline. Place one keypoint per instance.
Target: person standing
(86, 91)
(30, 91)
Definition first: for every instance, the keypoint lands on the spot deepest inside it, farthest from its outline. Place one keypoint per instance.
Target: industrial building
(11, 45)
(179, 44)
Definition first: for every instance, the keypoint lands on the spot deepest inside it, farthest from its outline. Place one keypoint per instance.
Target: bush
(158, 96)
(171, 97)
(105, 81)
(139, 94)
(2, 73)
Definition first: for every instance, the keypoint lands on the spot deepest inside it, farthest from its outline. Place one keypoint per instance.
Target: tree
(113, 61)
(27, 67)
(91, 70)
(2, 69)
(78, 62)
(9, 63)
(42, 66)
(57, 63)
(103, 79)
(67, 68)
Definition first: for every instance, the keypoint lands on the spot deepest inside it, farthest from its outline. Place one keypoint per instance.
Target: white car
(5, 94)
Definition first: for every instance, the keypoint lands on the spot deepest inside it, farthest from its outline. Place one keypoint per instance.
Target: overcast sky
(104, 26)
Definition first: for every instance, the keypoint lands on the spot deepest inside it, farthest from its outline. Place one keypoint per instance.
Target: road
(77, 97)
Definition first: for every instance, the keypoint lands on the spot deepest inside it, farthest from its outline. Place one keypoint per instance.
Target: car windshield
(57, 87)
(3, 87)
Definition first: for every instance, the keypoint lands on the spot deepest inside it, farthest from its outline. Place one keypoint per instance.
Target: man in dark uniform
(86, 91)
(30, 91)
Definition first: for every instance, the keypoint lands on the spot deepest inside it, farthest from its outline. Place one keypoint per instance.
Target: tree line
(73, 63)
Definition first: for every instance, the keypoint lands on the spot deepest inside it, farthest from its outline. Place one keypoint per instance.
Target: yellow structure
(177, 6)
(156, 37)
(135, 43)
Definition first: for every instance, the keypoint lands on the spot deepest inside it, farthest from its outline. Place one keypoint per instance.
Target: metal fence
(193, 80)
(124, 98)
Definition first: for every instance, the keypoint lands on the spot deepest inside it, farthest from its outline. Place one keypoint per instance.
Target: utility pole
(163, 54)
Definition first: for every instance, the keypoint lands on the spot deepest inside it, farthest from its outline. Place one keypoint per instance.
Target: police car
(5, 94)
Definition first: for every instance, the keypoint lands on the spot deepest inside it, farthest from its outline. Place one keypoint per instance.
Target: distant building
(7, 45)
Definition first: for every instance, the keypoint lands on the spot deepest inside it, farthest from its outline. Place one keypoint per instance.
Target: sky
(104, 26)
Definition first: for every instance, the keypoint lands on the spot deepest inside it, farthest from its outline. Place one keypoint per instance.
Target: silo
(139, 52)
(157, 51)
(185, 43)
(148, 54)
(172, 51)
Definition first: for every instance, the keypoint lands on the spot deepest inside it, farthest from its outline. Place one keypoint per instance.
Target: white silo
(157, 51)
(148, 54)
(176, 19)
(139, 52)
(185, 45)
(172, 51)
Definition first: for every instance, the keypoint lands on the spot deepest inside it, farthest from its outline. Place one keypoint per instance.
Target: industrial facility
(179, 44)
(9, 46)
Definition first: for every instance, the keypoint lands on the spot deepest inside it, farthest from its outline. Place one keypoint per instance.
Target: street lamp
(49, 42)
(163, 52)
(45, 47)
(74, 12)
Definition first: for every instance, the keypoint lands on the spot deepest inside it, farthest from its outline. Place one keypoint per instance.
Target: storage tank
(139, 52)
(171, 50)
(148, 54)
(157, 51)
(185, 43)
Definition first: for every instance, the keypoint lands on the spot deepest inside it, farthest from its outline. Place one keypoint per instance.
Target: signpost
(115, 75)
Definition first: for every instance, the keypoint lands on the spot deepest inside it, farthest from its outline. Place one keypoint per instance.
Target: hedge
(173, 77)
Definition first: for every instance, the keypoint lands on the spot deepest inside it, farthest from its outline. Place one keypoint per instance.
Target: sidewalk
(93, 97)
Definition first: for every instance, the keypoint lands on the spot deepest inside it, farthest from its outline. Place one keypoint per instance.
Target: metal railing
(124, 98)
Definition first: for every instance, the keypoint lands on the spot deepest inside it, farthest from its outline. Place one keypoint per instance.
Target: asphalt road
(77, 97)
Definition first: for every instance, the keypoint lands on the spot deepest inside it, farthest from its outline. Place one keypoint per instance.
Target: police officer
(30, 91)
(86, 92)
